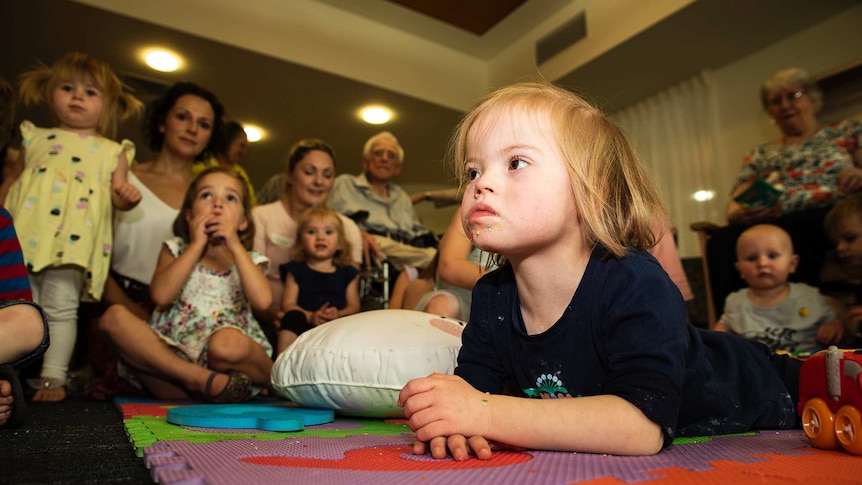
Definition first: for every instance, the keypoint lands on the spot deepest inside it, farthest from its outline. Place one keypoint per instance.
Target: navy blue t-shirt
(625, 333)
(316, 288)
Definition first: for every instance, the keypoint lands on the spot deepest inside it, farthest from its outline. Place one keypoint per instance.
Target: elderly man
(382, 209)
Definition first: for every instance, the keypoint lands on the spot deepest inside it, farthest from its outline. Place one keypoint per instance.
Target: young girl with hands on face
(321, 283)
(206, 283)
(61, 191)
(580, 325)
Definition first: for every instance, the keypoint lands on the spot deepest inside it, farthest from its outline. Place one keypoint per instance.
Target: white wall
(609, 23)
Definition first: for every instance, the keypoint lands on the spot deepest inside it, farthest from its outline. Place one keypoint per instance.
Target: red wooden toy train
(830, 399)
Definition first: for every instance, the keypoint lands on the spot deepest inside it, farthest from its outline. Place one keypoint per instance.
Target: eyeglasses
(789, 96)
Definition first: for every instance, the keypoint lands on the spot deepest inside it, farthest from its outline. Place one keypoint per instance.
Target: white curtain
(674, 132)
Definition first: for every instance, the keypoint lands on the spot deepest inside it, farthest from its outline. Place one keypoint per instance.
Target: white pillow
(358, 364)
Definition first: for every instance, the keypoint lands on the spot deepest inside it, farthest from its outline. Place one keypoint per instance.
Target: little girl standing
(61, 191)
(321, 284)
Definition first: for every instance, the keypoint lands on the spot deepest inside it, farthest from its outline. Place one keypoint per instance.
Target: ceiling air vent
(566, 35)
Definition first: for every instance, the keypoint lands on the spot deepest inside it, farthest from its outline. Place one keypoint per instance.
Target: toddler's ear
(243, 225)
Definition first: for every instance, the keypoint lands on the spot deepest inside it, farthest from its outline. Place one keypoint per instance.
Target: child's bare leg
(445, 305)
(165, 374)
(21, 331)
(285, 339)
(231, 349)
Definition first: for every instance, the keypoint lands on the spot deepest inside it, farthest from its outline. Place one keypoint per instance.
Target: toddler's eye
(92, 92)
(516, 163)
(205, 195)
(66, 87)
(472, 174)
(205, 125)
(330, 232)
(232, 198)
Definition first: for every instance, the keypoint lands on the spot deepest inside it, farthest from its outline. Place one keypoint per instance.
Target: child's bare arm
(253, 280)
(445, 406)
(721, 327)
(124, 196)
(353, 304)
(171, 274)
(290, 295)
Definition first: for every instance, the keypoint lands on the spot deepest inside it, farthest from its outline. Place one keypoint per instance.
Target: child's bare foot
(6, 402)
(12, 408)
(48, 389)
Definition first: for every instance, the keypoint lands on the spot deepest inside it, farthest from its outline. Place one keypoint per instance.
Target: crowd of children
(603, 360)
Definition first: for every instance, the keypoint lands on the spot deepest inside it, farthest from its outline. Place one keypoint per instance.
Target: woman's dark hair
(157, 114)
(229, 132)
(299, 150)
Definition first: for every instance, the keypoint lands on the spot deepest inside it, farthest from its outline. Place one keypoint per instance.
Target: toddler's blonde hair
(614, 194)
(37, 86)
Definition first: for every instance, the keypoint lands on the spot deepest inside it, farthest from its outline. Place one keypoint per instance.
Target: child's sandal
(238, 389)
(48, 389)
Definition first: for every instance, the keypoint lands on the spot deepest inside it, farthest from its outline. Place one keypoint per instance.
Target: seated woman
(309, 176)
(812, 165)
(179, 128)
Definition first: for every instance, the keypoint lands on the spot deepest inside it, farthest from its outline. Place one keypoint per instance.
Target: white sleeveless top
(139, 234)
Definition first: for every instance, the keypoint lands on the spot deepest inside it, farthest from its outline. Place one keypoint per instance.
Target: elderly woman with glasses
(791, 181)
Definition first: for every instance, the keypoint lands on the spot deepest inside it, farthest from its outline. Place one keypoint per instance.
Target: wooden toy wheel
(848, 429)
(818, 422)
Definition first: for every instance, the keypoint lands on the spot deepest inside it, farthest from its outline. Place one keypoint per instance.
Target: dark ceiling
(476, 16)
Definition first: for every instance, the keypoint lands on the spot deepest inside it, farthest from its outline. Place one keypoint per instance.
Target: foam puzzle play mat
(229, 444)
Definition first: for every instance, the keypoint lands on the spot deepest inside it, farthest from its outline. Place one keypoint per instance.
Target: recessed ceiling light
(254, 133)
(162, 60)
(375, 115)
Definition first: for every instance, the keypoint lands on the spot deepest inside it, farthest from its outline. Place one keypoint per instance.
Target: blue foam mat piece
(249, 416)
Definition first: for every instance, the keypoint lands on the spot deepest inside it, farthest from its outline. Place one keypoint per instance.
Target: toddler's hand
(830, 332)
(458, 445)
(853, 317)
(324, 314)
(128, 196)
(445, 405)
(222, 231)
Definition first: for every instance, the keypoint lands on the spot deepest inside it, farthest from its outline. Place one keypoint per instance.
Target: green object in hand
(760, 194)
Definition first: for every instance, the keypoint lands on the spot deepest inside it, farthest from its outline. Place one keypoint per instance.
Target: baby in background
(320, 283)
(792, 317)
(844, 226)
